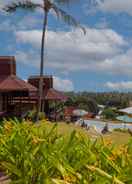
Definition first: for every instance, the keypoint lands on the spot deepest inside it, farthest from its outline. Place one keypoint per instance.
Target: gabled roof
(53, 94)
(13, 83)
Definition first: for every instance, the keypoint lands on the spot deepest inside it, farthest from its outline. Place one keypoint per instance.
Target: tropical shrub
(37, 154)
(109, 113)
(32, 115)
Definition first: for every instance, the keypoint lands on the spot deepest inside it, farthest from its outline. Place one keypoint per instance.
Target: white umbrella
(126, 110)
(79, 112)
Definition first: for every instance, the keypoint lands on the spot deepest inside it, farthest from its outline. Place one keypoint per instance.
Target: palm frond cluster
(27, 5)
(47, 6)
(68, 19)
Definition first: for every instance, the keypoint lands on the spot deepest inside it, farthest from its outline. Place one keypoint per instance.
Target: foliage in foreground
(35, 154)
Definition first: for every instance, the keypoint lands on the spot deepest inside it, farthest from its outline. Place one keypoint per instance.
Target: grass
(116, 137)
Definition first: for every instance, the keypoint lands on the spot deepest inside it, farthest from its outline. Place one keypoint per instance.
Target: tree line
(90, 101)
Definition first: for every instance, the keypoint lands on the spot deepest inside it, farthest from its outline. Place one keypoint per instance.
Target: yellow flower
(36, 140)
(8, 126)
(113, 157)
(70, 179)
(108, 142)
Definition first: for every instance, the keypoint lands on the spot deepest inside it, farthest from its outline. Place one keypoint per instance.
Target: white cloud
(29, 58)
(29, 37)
(118, 65)
(103, 37)
(72, 51)
(114, 6)
(63, 84)
(124, 85)
(25, 23)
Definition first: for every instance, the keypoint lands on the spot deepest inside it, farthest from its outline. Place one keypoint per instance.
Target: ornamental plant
(37, 154)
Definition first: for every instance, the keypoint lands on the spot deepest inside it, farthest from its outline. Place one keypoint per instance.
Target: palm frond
(12, 7)
(68, 19)
(65, 1)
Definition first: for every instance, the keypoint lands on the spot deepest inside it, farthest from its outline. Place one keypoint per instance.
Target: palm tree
(46, 6)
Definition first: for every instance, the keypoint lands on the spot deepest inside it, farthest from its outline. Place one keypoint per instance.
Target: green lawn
(116, 137)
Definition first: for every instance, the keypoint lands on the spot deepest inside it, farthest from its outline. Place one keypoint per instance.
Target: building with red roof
(12, 83)
(55, 95)
(12, 86)
(18, 96)
(50, 95)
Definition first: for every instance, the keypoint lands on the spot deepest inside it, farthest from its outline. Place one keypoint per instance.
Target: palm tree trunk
(40, 101)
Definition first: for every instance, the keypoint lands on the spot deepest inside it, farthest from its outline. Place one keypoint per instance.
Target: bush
(32, 115)
(109, 114)
(32, 154)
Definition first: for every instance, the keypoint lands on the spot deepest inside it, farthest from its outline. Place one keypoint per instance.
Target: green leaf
(12, 168)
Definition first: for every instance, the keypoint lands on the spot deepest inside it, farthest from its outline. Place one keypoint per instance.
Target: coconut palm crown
(46, 5)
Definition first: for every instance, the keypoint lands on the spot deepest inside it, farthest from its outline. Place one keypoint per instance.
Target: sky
(100, 60)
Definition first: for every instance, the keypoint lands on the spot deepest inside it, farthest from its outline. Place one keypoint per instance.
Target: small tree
(109, 114)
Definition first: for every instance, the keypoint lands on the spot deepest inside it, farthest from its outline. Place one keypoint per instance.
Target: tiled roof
(13, 83)
(53, 94)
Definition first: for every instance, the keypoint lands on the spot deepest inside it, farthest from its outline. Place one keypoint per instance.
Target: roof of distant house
(53, 94)
(13, 83)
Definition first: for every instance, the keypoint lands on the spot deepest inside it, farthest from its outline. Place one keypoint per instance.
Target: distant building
(70, 115)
